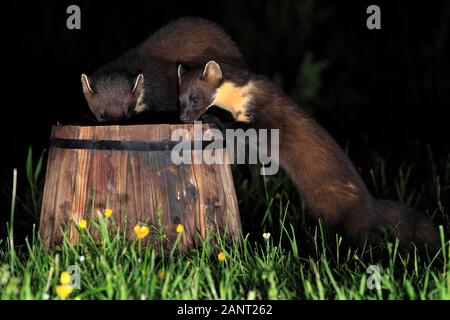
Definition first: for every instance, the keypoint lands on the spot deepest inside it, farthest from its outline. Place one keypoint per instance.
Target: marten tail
(411, 227)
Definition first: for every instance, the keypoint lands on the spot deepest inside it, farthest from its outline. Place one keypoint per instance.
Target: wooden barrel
(129, 170)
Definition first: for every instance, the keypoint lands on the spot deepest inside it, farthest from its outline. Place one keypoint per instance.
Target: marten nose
(183, 116)
(102, 117)
(113, 116)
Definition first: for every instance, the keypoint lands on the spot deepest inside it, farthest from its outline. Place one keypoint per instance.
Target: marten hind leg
(355, 220)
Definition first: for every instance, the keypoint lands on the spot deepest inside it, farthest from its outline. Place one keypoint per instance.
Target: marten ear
(138, 84)
(87, 90)
(212, 71)
(181, 71)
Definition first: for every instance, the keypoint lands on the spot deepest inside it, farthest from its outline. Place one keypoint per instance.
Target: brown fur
(189, 41)
(324, 176)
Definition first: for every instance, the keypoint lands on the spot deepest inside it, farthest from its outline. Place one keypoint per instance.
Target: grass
(300, 259)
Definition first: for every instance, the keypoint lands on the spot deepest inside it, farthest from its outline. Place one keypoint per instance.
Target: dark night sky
(387, 88)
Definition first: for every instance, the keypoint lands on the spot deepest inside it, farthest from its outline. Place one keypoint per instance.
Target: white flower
(82, 258)
(139, 260)
(266, 235)
(45, 296)
(251, 295)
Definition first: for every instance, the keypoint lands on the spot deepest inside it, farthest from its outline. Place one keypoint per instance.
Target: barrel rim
(131, 145)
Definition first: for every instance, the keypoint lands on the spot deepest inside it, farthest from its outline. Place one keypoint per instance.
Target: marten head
(197, 90)
(203, 88)
(113, 97)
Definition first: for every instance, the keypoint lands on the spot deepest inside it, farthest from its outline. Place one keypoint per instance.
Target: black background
(281, 308)
(385, 91)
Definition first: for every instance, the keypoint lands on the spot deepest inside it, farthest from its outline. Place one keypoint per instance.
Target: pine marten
(145, 78)
(324, 176)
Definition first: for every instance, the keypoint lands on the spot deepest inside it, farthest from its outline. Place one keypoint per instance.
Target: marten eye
(195, 99)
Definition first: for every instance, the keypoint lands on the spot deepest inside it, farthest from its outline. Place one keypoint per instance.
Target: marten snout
(114, 115)
(184, 117)
(109, 107)
(188, 115)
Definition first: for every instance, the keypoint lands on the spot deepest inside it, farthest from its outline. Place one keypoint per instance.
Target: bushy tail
(411, 227)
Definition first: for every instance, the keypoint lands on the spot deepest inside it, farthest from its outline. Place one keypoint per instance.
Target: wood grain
(80, 183)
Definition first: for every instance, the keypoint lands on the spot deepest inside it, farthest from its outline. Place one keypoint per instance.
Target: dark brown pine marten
(324, 176)
(145, 78)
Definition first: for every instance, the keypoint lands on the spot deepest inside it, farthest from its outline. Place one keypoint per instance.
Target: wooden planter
(129, 170)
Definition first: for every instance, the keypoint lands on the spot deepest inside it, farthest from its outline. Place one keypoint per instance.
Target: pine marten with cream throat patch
(144, 79)
(321, 171)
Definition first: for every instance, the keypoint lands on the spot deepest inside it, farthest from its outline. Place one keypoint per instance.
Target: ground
(282, 255)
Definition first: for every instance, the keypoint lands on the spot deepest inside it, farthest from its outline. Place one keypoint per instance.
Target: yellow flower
(140, 231)
(161, 274)
(221, 256)
(63, 291)
(108, 212)
(64, 278)
(83, 224)
(180, 228)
